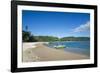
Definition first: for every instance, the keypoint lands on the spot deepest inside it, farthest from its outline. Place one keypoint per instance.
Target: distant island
(28, 37)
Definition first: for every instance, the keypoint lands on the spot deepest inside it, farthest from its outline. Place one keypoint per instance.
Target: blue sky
(59, 24)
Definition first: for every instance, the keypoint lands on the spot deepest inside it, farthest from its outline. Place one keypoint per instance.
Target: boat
(59, 46)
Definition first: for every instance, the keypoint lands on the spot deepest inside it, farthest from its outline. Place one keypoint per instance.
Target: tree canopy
(28, 37)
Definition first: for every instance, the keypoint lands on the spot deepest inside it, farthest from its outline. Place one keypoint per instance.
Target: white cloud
(83, 27)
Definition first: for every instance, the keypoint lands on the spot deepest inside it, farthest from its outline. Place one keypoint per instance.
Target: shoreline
(33, 52)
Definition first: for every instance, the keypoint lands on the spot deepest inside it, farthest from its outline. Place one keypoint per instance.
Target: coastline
(33, 52)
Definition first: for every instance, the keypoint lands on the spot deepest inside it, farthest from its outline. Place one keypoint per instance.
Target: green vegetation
(46, 38)
(28, 37)
(75, 38)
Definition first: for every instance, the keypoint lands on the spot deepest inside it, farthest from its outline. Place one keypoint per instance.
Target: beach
(34, 52)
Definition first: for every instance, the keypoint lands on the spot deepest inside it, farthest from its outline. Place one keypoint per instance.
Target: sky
(58, 24)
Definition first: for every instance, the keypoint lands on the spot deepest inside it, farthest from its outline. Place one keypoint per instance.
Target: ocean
(79, 47)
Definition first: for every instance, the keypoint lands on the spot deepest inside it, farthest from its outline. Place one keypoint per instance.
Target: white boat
(59, 46)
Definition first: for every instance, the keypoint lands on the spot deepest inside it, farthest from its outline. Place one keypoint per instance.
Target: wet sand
(40, 52)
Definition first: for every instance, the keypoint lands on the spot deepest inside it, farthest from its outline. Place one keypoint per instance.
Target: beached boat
(59, 46)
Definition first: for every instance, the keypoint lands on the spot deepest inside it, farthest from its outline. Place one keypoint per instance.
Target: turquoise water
(81, 47)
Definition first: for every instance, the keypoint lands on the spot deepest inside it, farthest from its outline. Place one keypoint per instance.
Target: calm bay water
(80, 47)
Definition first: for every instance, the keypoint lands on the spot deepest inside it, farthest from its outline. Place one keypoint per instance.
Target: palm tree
(26, 28)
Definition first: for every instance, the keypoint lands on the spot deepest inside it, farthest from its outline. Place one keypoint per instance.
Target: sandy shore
(40, 52)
